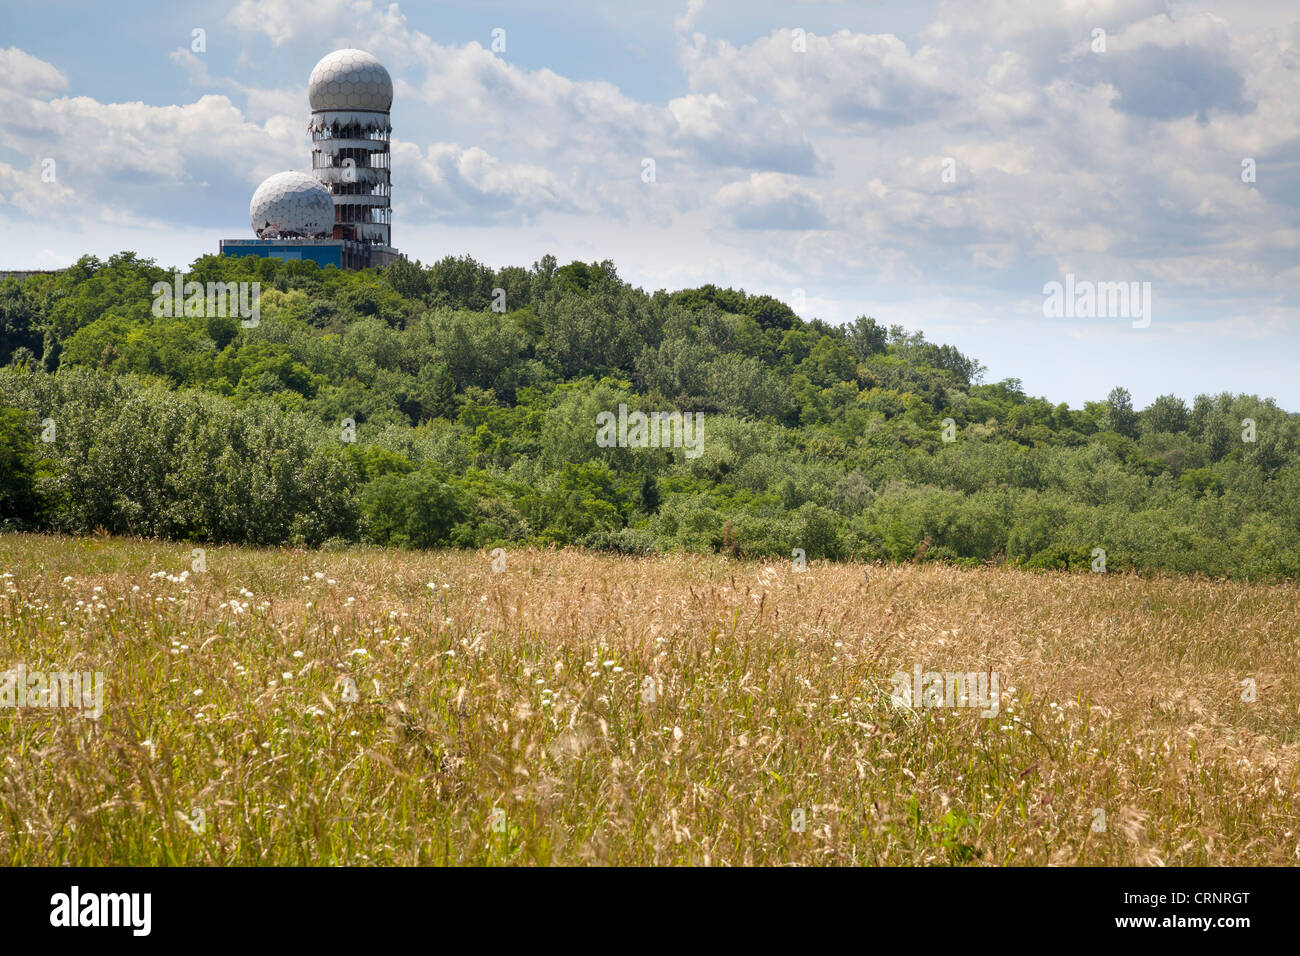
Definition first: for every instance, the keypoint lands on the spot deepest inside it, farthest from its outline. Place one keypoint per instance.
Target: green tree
(1120, 417)
(20, 504)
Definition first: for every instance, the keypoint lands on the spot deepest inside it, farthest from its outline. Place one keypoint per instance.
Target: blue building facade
(323, 252)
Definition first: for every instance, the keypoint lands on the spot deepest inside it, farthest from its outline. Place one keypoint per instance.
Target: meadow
(370, 706)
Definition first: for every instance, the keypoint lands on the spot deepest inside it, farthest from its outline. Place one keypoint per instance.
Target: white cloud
(686, 19)
(457, 183)
(771, 201)
(23, 73)
(283, 21)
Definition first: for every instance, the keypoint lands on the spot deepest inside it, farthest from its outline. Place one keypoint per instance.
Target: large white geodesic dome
(292, 203)
(350, 80)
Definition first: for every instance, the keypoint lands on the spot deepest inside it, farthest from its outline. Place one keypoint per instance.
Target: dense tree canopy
(455, 404)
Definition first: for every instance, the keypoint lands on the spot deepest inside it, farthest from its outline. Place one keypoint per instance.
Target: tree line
(456, 405)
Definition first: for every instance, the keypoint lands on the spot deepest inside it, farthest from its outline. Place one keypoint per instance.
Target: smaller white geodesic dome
(292, 204)
(350, 80)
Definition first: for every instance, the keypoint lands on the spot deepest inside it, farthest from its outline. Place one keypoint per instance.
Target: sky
(933, 164)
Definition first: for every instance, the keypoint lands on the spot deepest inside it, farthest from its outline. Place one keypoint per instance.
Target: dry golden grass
(502, 717)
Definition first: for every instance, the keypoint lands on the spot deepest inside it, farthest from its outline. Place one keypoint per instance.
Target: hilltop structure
(341, 214)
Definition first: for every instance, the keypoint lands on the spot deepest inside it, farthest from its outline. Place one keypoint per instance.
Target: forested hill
(457, 405)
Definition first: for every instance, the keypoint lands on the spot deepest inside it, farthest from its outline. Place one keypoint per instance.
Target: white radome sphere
(292, 202)
(350, 80)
